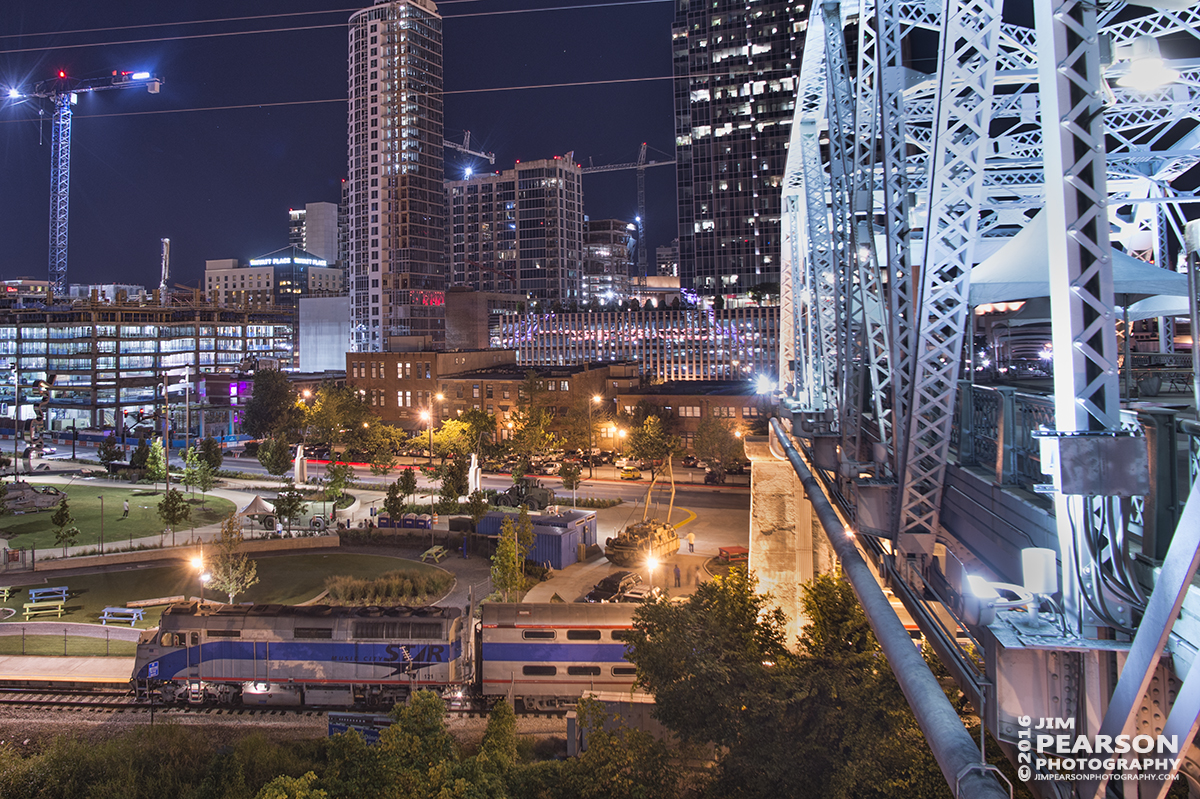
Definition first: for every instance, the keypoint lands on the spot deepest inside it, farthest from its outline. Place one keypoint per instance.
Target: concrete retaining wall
(252, 547)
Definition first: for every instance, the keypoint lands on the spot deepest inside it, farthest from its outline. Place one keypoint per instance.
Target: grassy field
(73, 646)
(34, 530)
(285, 579)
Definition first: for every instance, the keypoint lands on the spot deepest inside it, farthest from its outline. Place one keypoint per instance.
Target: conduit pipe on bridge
(953, 748)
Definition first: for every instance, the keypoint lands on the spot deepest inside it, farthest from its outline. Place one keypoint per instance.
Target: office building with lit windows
(735, 68)
(608, 256)
(279, 279)
(520, 230)
(396, 197)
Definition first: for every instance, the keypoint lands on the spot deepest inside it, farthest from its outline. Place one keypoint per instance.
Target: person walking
(126, 513)
(678, 574)
(691, 537)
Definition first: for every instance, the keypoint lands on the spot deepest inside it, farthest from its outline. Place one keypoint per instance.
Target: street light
(596, 400)
(428, 417)
(101, 498)
(198, 565)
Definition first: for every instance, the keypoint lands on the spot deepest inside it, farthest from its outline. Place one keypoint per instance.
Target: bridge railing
(994, 427)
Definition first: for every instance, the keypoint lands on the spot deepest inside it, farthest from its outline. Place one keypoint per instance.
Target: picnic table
(6, 592)
(733, 554)
(41, 594)
(435, 554)
(56, 607)
(130, 615)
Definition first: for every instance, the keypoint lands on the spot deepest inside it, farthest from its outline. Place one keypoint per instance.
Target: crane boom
(465, 147)
(64, 92)
(640, 165)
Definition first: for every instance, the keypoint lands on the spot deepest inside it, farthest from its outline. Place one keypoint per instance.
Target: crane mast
(64, 92)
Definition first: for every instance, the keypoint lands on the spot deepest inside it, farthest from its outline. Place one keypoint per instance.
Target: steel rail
(953, 748)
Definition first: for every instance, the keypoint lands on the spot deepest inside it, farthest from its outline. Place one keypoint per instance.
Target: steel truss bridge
(1050, 530)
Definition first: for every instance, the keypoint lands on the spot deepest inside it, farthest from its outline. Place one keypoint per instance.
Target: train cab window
(623, 671)
(583, 671)
(529, 635)
(539, 671)
(195, 639)
(583, 635)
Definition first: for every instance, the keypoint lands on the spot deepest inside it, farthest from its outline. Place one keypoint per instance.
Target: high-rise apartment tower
(396, 206)
(520, 230)
(735, 71)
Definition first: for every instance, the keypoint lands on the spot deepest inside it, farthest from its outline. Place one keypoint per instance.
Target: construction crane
(640, 166)
(465, 147)
(63, 92)
(164, 294)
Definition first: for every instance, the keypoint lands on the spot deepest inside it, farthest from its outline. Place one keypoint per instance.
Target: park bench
(43, 594)
(6, 591)
(45, 609)
(434, 553)
(130, 615)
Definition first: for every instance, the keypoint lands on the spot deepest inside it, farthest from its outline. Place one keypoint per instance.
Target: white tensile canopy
(1020, 270)
(257, 505)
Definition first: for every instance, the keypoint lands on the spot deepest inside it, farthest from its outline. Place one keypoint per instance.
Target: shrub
(394, 587)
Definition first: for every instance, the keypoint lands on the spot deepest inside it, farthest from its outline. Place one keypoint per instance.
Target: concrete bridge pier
(787, 545)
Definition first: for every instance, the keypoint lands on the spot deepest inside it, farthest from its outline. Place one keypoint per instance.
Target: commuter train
(540, 655)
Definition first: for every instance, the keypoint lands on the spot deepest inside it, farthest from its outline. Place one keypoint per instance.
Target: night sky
(219, 183)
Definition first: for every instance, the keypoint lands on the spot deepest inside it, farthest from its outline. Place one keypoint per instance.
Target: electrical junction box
(1095, 464)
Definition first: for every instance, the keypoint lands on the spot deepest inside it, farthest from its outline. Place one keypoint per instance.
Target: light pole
(596, 398)
(428, 417)
(198, 565)
(101, 498)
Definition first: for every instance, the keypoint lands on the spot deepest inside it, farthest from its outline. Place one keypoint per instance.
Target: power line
(567, 85)
(297, 28)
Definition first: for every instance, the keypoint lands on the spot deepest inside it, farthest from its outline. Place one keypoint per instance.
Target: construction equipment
(465, 147)
(527, 491)
(640, 541)
(640, 165)
(63, 92)
(164, 294)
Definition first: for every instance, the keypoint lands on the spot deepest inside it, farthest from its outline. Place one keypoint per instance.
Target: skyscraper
(735, 71)
(396, 196)
(314, 228)
(520, 230)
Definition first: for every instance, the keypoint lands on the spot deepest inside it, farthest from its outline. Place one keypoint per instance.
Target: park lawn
(77, 646)
(284, 579)
(36, 531)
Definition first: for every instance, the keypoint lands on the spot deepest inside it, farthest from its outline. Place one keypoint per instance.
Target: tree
(211, 453)
(140, 455)
(571, 475)
(290, 505)
(477, 507)
(285, 787)
(650, 441)
(337, 477)
(379, 449)
(191, 468)
(110, 450)
(275, 454)
(717, 443)
(407, 482)
(156, 464)
(393, 503)
(337, 415)
(498, 750)
(273, 409)
(232, 572)
(205, 479)
(480, 430)
(66, 534)
(525, 537)
(830, 714)
(173, 509)
(507, 565)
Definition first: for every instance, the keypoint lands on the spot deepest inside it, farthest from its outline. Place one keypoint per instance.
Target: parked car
(688, 461)
(630, 473)
(550, 467)
(714, 478)
(611, 586)
(639, 593)
(49, 450)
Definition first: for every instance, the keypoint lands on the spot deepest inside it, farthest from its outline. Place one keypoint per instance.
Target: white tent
(257, 506)
(1020, 270)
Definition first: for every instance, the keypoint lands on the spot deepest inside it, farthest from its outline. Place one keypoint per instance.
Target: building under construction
(91, 364)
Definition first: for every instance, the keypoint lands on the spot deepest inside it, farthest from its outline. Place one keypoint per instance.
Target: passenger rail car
(294, 655)
(549, 655)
